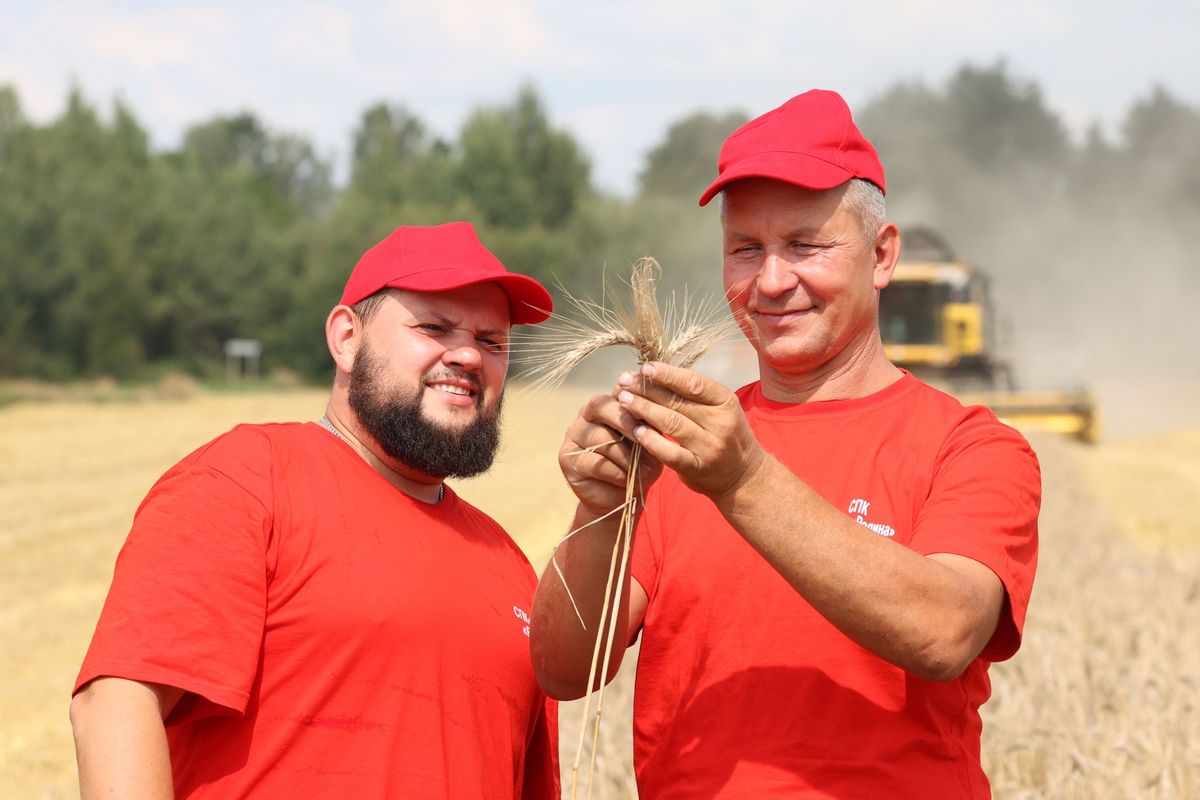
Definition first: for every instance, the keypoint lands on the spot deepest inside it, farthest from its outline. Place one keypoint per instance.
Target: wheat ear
(679, 335)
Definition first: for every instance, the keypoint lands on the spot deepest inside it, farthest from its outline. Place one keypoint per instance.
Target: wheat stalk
(679, 334)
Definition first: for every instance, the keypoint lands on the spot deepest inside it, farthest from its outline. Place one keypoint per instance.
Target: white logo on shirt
(859, 508)
(523, 616)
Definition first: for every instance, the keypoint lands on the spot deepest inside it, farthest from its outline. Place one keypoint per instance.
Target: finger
(592, 438)
(649, 468)
(638, 384)
(590, 466)
(586, 438)
(614, 448)
(592, 448)
(664, 451)
(606, 410)
(685, 383)
(667, 421)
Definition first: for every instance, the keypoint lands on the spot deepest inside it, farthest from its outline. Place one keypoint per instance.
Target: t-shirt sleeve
(983, 504)
(188, 599)
(643, 563)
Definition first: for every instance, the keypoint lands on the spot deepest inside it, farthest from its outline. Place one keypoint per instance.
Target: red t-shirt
(744, 690)
(336, 638)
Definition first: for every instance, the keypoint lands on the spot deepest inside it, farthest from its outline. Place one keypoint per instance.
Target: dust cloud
(1110, 305)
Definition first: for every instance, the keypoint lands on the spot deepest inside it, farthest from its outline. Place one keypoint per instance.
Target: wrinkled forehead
(479, 307)
(761, 192)
(752, 202)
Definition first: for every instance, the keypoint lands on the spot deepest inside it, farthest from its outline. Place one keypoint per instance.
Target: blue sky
(615, 74)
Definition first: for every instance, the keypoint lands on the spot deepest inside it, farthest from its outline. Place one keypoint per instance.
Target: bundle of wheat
(680, 334)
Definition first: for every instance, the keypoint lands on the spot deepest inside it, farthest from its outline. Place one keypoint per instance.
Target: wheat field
(1102, 701)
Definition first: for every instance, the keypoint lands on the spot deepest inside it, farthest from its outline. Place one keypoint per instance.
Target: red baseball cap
(810, 140)
(442, 257)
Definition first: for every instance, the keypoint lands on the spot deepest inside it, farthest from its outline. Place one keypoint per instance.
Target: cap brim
(528, 301)
(793, 168)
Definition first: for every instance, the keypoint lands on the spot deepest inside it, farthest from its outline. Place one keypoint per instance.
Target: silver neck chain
(327, 425)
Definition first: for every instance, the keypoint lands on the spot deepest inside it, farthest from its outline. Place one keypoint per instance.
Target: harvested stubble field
(1103, 700)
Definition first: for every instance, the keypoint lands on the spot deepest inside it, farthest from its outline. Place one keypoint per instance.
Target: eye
(808, 247)
(433, 327)
(493, 345)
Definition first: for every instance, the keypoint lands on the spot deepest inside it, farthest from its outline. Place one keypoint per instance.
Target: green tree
(16, 219)
(78, 266)
(685, 163)
(283, 169)
(1000, 122)
(981, 149)
(1162, 151)
(397, 161)
(113, 290)
(517, 170)
(1161, 125)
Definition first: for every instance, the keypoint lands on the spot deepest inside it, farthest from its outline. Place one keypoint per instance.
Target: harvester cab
(937, 322)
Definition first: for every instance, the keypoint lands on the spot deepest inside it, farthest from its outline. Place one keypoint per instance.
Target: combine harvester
(937, 322)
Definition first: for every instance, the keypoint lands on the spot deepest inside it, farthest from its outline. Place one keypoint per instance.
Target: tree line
(119, 259)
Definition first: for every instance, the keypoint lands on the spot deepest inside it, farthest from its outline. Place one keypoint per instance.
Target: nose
(464, 356)
(776, 277)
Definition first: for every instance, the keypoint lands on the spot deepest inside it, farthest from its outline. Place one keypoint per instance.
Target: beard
(395, 420)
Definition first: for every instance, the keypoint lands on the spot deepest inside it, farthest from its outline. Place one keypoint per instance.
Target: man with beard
(306, 609)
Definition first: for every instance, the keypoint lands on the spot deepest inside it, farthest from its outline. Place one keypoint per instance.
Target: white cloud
(513, 30)
(146, 40)
(144, 47)
(314, 34)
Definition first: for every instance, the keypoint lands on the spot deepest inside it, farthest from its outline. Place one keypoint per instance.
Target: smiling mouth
(457, 391)
(776, 316)
(452, 389)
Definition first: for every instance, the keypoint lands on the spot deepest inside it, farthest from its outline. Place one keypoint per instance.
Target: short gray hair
(865, 201)
(861, 198)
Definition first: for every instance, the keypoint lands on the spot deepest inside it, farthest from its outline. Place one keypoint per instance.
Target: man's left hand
(693, 425)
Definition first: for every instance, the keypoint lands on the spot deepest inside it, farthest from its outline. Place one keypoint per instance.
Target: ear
(887, 253)
(343, 332)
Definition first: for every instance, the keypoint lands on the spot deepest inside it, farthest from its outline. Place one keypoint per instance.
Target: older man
(837, 552)
(307, 610)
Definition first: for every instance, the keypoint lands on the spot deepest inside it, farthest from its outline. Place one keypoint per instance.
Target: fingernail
(626, 378)
(648, 370)
(625, 397)
(639, 431)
